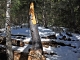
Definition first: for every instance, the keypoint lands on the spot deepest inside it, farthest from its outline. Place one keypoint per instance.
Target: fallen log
(14, 41)
(50, 37)
(62, 44)
(43, 42)
(18, 35)
(17, 43)
(65, 38)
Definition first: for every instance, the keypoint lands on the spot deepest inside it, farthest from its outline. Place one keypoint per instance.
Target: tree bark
(8, 33)
(36, 52)
(44, 15)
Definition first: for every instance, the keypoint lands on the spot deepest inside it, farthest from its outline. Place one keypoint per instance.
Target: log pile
(17, 43)
(20, 55)
(14, 41)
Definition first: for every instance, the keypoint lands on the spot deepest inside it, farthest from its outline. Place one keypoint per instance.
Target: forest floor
(56, 45)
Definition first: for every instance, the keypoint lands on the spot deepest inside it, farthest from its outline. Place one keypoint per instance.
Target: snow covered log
(14, 41)
(50, 37)
(17, 42)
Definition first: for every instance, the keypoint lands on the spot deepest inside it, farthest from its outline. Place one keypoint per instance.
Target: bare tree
(8, 32)
(36, 53)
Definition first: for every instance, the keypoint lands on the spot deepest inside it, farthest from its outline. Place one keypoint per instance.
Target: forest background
(65, 13)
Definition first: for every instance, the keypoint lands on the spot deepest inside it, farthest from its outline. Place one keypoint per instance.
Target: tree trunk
(73, 22)
(44, 15)
(36, 53)
(8, 33)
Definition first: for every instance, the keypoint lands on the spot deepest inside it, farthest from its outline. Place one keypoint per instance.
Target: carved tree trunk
(36, 53)
(8, 32)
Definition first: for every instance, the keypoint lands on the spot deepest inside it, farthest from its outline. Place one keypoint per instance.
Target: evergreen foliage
(53, 13)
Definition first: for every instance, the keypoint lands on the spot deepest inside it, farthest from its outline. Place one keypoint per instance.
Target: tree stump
(17, 55)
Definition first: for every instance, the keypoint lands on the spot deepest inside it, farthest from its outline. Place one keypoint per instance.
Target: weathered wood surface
(36, 55)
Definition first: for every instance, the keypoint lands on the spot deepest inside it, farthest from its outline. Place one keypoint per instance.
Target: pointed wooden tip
(31, 5)
(31, 13)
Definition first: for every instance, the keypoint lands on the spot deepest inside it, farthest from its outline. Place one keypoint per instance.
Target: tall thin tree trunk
(44, 15)
(37, 51)
(8, 32)
(72, 15)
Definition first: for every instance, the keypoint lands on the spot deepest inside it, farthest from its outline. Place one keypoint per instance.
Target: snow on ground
(77, 36)
(26, 31)
(21, 49)
(22, 31)
(62, 52)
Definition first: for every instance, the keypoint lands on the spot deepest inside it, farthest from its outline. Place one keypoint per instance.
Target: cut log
(20, 55)
(17, 43)
(17, 55)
